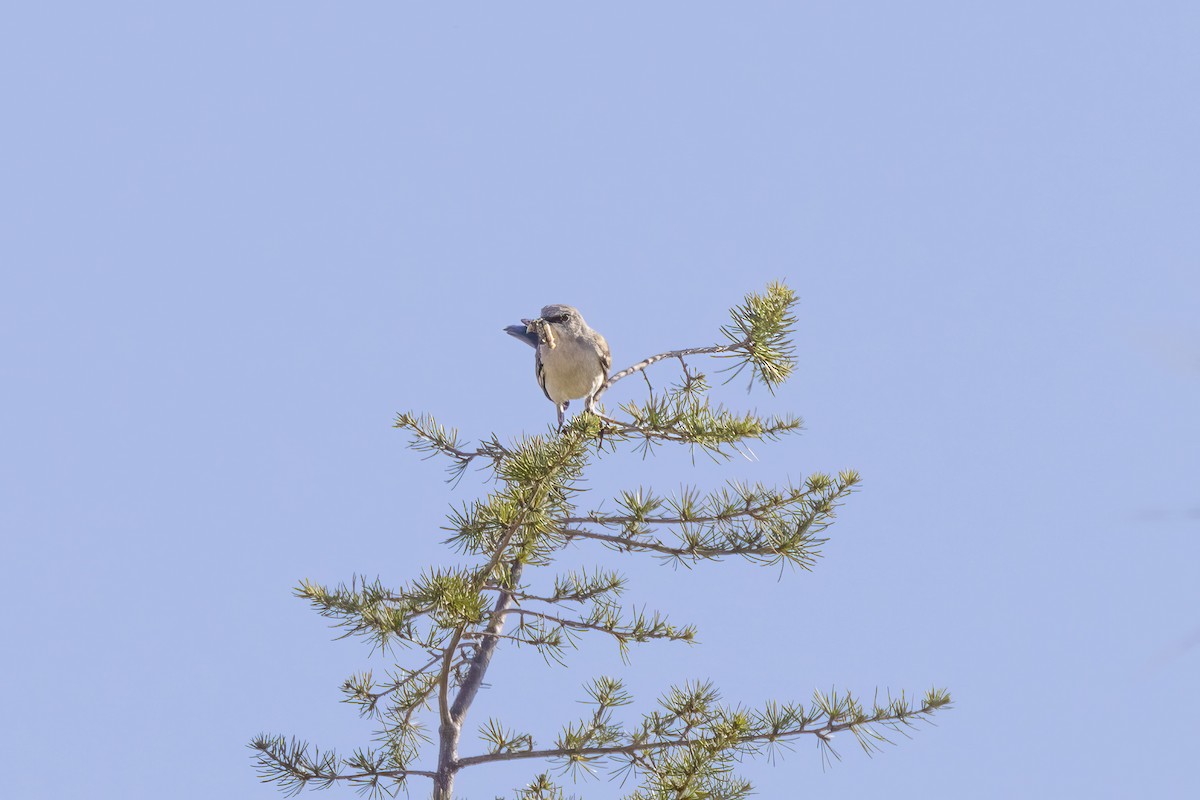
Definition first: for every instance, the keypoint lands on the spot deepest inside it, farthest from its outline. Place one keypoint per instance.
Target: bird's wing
(522, 332)
(605, 356)
(540, 370)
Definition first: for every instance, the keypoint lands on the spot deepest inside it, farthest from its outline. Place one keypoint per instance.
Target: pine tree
(454, 620)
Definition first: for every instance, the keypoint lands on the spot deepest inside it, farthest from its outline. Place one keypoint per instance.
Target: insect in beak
(542, 329)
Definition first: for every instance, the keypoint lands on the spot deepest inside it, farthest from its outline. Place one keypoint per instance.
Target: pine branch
(444, 598)
(580, 596)
(761, 525)
(693, 553)
(294, 765)
(359, 689)
(759, 336)
(541, 788)
(677, 354)
(688, 420)
(841, 714)
(429, 436)
(737, 500)
(503, 740)
(608, 621)
(762, 326)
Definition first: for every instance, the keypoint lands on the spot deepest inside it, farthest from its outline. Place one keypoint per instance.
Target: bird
(571, 360)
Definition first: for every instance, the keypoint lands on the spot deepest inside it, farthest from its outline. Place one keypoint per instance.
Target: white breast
(572, 369)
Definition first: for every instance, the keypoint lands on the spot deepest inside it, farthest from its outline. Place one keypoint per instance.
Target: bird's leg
(562, 408)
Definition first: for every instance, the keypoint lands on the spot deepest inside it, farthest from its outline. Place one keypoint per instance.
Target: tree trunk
(443, 783)
(449, 732)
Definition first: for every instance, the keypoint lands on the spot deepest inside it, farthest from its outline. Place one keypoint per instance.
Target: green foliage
(691, 745)
(501, 740)
(541, 788)
(679, 416)
(419, 614)
(537, 481)
(449, 620)
(762, 332)
(294, 765)
(761, 524)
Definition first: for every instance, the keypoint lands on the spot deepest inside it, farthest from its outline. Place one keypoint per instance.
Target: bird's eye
(557, 320)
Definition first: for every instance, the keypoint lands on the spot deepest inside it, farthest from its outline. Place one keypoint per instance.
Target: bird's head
(558, 315)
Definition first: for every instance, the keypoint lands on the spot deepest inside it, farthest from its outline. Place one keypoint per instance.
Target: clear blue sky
(236, 238)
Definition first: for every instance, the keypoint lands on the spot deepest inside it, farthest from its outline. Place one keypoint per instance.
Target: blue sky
(237, 238)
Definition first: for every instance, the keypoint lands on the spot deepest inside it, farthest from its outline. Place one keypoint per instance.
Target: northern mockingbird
(571, 360)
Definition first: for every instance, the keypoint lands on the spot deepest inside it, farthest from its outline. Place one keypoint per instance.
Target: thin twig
(822, 731)
(634, 544)
(413, 675)
(749, 511)
(691, 351)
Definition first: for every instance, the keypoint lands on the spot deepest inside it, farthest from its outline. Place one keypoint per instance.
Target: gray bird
(571, 360)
